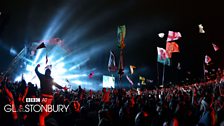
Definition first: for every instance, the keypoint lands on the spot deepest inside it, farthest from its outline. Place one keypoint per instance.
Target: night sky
(87, 24)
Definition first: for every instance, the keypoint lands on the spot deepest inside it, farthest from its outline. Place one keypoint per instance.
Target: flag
(161, 35)
(163, 56)
(216, 48)
(171, 47)
(121, 65)
(67, 80)
(142, 79)
(42, 45)
(206, 71)
(65, 88)
(201, 30)
(121, 32)
(129, 80)
(132, 69)
(173, 36)
(149, 80)
(111, 63)
(55, 41)
(91, 74)
(207, 59)
(46, 59)
(178, 66)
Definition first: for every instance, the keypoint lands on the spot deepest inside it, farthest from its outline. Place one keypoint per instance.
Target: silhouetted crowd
(199, 104)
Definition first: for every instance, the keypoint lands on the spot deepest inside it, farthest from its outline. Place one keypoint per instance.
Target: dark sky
(25, 21)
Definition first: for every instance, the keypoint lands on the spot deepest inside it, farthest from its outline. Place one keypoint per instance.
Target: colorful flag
(173, 36)
(129, 80)
(201, 30)
(216, 48)
(207, 59)
(163, 56)
(111, 63)
(91, 74)
(171, 47)
(161, 35)
(42, 45)
(121, 32)
(132, 69)
(142, 79)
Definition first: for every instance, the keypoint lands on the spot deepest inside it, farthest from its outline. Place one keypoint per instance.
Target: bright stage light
(62, 69)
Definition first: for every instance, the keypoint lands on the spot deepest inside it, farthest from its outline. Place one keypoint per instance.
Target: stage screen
(108, 81)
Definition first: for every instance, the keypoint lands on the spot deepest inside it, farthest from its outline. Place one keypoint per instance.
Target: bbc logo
(32, 99)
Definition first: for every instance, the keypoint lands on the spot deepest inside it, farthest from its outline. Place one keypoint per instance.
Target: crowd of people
(198, 104)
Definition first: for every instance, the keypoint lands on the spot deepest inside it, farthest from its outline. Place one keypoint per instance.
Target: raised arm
(57, 85)
(37, 72)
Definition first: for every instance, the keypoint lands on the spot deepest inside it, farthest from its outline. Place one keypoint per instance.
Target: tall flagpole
(204, 70)
(157, 73)
(163, 73)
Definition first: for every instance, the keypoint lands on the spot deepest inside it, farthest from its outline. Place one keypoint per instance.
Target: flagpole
(204, 70)
(163, 73)
(157, 73)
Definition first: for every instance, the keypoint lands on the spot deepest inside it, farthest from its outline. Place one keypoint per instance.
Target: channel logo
(32, 100)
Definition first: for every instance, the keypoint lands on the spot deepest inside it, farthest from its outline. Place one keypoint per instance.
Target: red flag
(173, 36)
(216, 48)
(65, 88)
(42, 45)
(207, 59)
(172, 47)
